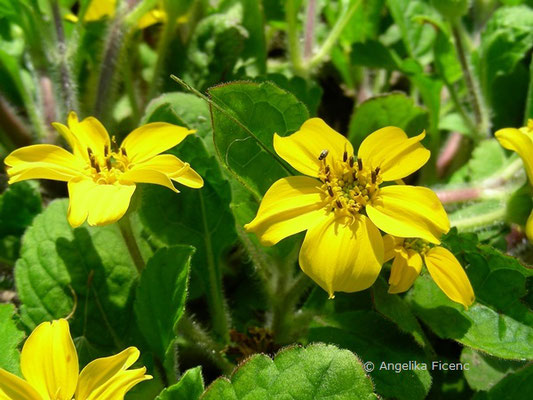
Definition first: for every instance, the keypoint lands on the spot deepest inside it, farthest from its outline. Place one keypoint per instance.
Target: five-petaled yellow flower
(410, 254)
(521, 142)
(101, 175)
(343, 209)
(49, 363)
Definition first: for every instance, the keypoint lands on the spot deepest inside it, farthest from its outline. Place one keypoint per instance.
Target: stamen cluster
(419, 245)
(348, 184)
(106, 169)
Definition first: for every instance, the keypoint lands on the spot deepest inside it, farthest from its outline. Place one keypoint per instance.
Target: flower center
(419, 245)
(348, 184)
(106, 168)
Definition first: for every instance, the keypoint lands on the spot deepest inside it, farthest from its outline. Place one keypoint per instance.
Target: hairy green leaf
(87, 269)
(189, 387)
(317, 372)
(393, 109)
(161, 294)
(10, 338)
(378, 341)
(244, 132)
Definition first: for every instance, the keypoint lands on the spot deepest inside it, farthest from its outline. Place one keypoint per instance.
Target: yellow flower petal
(449, 276)
(390, 244)
(409, 211)
(174, 168)
(151, 139)
(100, 204)
(529, 227)
(42, 161)
(521, 143)
(342, 256)
(99, 9)
(152, 17)
(90, 133)
(302, 149)
(290, 205)
(119, 385)
(14, 388)
(405, 269)
(100, 372)
(147, 176)
(397, 155)
(49, 361)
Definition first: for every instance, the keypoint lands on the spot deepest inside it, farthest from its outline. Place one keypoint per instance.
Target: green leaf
(161, 294)
(307, 91)
(92, 264)
(395, 308)
(217, 44)
(446, 62)
(506, 40)
(252, 21)
(377, 340)
(313, 373)
(244, 132)
(19, 204)
(500, 322)
(189, 387)
(417, 37)
(10, 338)
(197, 217)
(514, 386)
(485, 371)
(373, 54)
(392, 109)
(182, 109)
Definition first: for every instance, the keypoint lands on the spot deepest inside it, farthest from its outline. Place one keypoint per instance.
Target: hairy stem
(471, 84)
(309, 37)
(13, 126)
(291, 12)
(198, 337)
(334, 34)
(126, 230)
(67, 84)
(110, 60)
(162, 50)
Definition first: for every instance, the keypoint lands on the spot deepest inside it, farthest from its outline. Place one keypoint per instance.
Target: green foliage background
(215, 314)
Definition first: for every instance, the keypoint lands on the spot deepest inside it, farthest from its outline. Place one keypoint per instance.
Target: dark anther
(339, 204)
(374, 176)
(106, 150)
(345, 156)
(95, 166)
(351, 161)
(108, 164)
(377, 170)
(326, 170)
(323, 154)
(330, 191)
(123, 151)
(359, 164)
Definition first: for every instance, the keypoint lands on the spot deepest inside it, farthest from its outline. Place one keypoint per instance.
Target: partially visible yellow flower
(100, 9)
(101, 175)
(521, 142)
(410, 254)
(49, 364)
(341, 204)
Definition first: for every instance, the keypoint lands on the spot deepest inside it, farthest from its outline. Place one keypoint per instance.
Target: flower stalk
(126, 231)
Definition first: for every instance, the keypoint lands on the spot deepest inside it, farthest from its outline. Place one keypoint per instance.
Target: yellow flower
(521, 142)
(100, 9)
(101, 176)
(49, 364)
(343, 209)
(409, 254)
